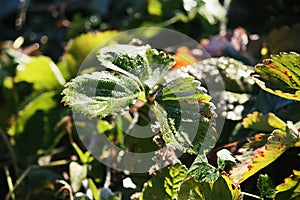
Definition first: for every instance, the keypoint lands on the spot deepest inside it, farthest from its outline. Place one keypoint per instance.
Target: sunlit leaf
(136, 74)
(212, 11)
(280, 75)
(143, 62)
(77, 174)
(278, 142)
(260, 122)
(41, 71)
(185, 115)
(266, 186)
(224, 157)
(165, 184)
(202, 171)
(78, 48)
(221, 189)
(154, 7)
(102, 93)
(290, 189)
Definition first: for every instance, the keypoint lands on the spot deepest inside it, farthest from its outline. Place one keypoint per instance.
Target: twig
(66, 186)
(9, 181)
(26, 172)
(252, 195)
(10, 149)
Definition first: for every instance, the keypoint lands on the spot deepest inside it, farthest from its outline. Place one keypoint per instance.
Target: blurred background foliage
(38, 144)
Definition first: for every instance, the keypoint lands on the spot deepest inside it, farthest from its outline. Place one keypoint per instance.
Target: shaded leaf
(107, 194)
(266, 186)
(283, 39)
(290, 189)
(202, 171)
(185, 115)
(34, 121)
(102, 93)
(165, 184)
(221, 189)
(280, 75)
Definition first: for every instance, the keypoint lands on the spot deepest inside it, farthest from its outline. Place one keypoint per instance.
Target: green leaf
(102, 93)
(280, 75)
(221, 189)
(154, 7)
(165, 184)
(77, 174)
(224, 157)
(290, 189)
(142, 63)
(185, 115)
(41, 71)
(266, 186)
(40, 102)
(40, 112)
(202, 171)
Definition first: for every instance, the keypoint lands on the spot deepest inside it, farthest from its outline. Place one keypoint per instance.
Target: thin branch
(9, 181)
(252, 195)
(26, 172)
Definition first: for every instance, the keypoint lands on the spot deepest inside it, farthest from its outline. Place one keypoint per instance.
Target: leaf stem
(9, 182)
(252, 195)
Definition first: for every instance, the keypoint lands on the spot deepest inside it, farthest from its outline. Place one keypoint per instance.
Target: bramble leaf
(280, 75)
(290, 189)
(224, 157)
(143, 62)
(185, 115)
(165, 184)
(221, 189)
(266, 186)
(137, 74)
(278, 142)
(202, 171)
(261, 122)
(102, 93)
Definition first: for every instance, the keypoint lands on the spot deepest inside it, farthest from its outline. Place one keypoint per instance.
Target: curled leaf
(280, 75)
